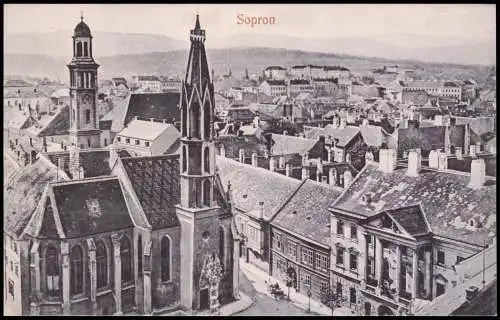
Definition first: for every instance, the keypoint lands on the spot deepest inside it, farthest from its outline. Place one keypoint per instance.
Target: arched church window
(221, 244)
(78, 49)
(184, 159)
(165, 258)
(102, 265)
(206, 192)
(74, 114)
(126, 259)
(85, 49)
(139, 255)
(87, 116)
(52, 271)
(206, 159)
(76, 258)
(206, 124)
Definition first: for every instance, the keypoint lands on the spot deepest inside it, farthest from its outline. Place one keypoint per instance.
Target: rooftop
(282, 144)
(147, 130)
(306, 212)
(445, 198)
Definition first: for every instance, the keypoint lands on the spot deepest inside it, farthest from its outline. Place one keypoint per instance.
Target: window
(340, 256)
(340, 228)
(105, 142)
(369, 240)
(354, 233)
(221, 245)
(321, 262)
(101, 265)
(324, 287)
(76, 273)
(206, 159)
(87, 116)
(147, 143)
(440, 258)
(339, 289)
(127, 140)
(17, 270)
(88, 143)
(85, 49)
(126, 259)
(52, 271)
(279, 245)
(353, 261)
(139, 255)
(352, 295)
(307, 256)
(165, 259)
(307, 280)
(78, 49)
(439, 289)
(184, 159)
(292, 250)
(118, 139)
(460, 259)
(15, 247)
(206, 192)
(137, 142)
(371, 266)
(11, 266)
(11, 288)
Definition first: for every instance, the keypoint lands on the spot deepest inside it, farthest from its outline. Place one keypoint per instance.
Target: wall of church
(166, 293)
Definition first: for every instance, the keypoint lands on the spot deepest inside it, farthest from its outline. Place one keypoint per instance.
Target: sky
(298, 20)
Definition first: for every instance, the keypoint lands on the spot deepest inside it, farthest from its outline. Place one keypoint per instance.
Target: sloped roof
(373, 135)
(445, 198)
(162, 106)
(250, 185)
(74, 201)
(156, 182)
(411, 218)
(95, 162)
(147, 130)
(52, 125)
(282, 144)
(22, 195)
(479, 125)
(344, 135)
(306, 212)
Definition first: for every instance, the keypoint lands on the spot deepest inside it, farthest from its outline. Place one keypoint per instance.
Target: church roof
(156, 182)
(95, 163)
(82, 30)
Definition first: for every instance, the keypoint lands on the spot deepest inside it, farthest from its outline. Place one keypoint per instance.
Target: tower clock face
(87, 99)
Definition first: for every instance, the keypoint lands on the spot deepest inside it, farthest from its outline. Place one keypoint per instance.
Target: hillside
(255, 59)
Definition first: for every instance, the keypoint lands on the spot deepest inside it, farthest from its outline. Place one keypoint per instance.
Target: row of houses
(305, 72)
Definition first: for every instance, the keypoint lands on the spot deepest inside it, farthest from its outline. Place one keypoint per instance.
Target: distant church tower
(84, 129)
(198, 212)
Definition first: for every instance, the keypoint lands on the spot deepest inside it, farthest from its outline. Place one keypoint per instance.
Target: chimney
(281, 163)
(266, 154)
(254, 159)
(478, 147)
(152, 119)
(387, 160)
(272, 164)
(335, 123)
(471, 292)
(329, 154)
(16, 142)
(458, 153)
(318, 176)
(477, 173)
(320, 166)
(472, 151)
(433, 159)
(285, 132)
(288, 170)
(414, 162)
(343, 123)
(81, 173)
(222, 151)
(74, 161)
(347, 178)
(369, 157)
(442, 161)
(305, 157)
(305, 173)
(241, 156)
(324, 179)
(332, 177)
(261, 212)
(447, 140)
(348, 158)
(364, 123)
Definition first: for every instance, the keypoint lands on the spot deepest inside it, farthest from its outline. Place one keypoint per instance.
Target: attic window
(308, 218)
(245, 196)
(294, 212)
(471, 222)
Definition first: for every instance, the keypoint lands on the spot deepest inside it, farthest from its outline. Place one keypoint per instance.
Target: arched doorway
(384, 311)
(292, 274)
(368, 308)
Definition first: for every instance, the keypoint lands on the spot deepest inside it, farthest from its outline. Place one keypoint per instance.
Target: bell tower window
(78, 49)
(85, 49)
(87, 116)
(206, 160)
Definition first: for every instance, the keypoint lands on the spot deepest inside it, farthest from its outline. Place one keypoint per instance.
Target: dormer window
(471, 223)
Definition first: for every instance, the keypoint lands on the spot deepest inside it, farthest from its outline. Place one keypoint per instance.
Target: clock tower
(84, 129)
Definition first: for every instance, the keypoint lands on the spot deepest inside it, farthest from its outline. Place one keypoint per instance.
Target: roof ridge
(83, 180)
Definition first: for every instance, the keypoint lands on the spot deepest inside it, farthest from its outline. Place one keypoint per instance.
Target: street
(266, 305)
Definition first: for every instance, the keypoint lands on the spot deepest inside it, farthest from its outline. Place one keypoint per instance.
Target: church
(93, 231)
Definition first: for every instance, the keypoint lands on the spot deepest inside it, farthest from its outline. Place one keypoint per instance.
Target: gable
(386, 223)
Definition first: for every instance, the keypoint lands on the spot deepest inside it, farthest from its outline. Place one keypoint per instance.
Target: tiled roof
(147, 130)
(52, 125)
(23, 194)
(162, 106)
(344, 135)
(233, 144)
(156, 182)
(374, 135)
(251, 185)
(282, 144)
(91, 207)
(95, 163)
(445, 198)
(306, 212)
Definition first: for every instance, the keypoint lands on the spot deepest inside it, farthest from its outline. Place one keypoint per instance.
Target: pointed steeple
(197, 25)
(197, 73)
